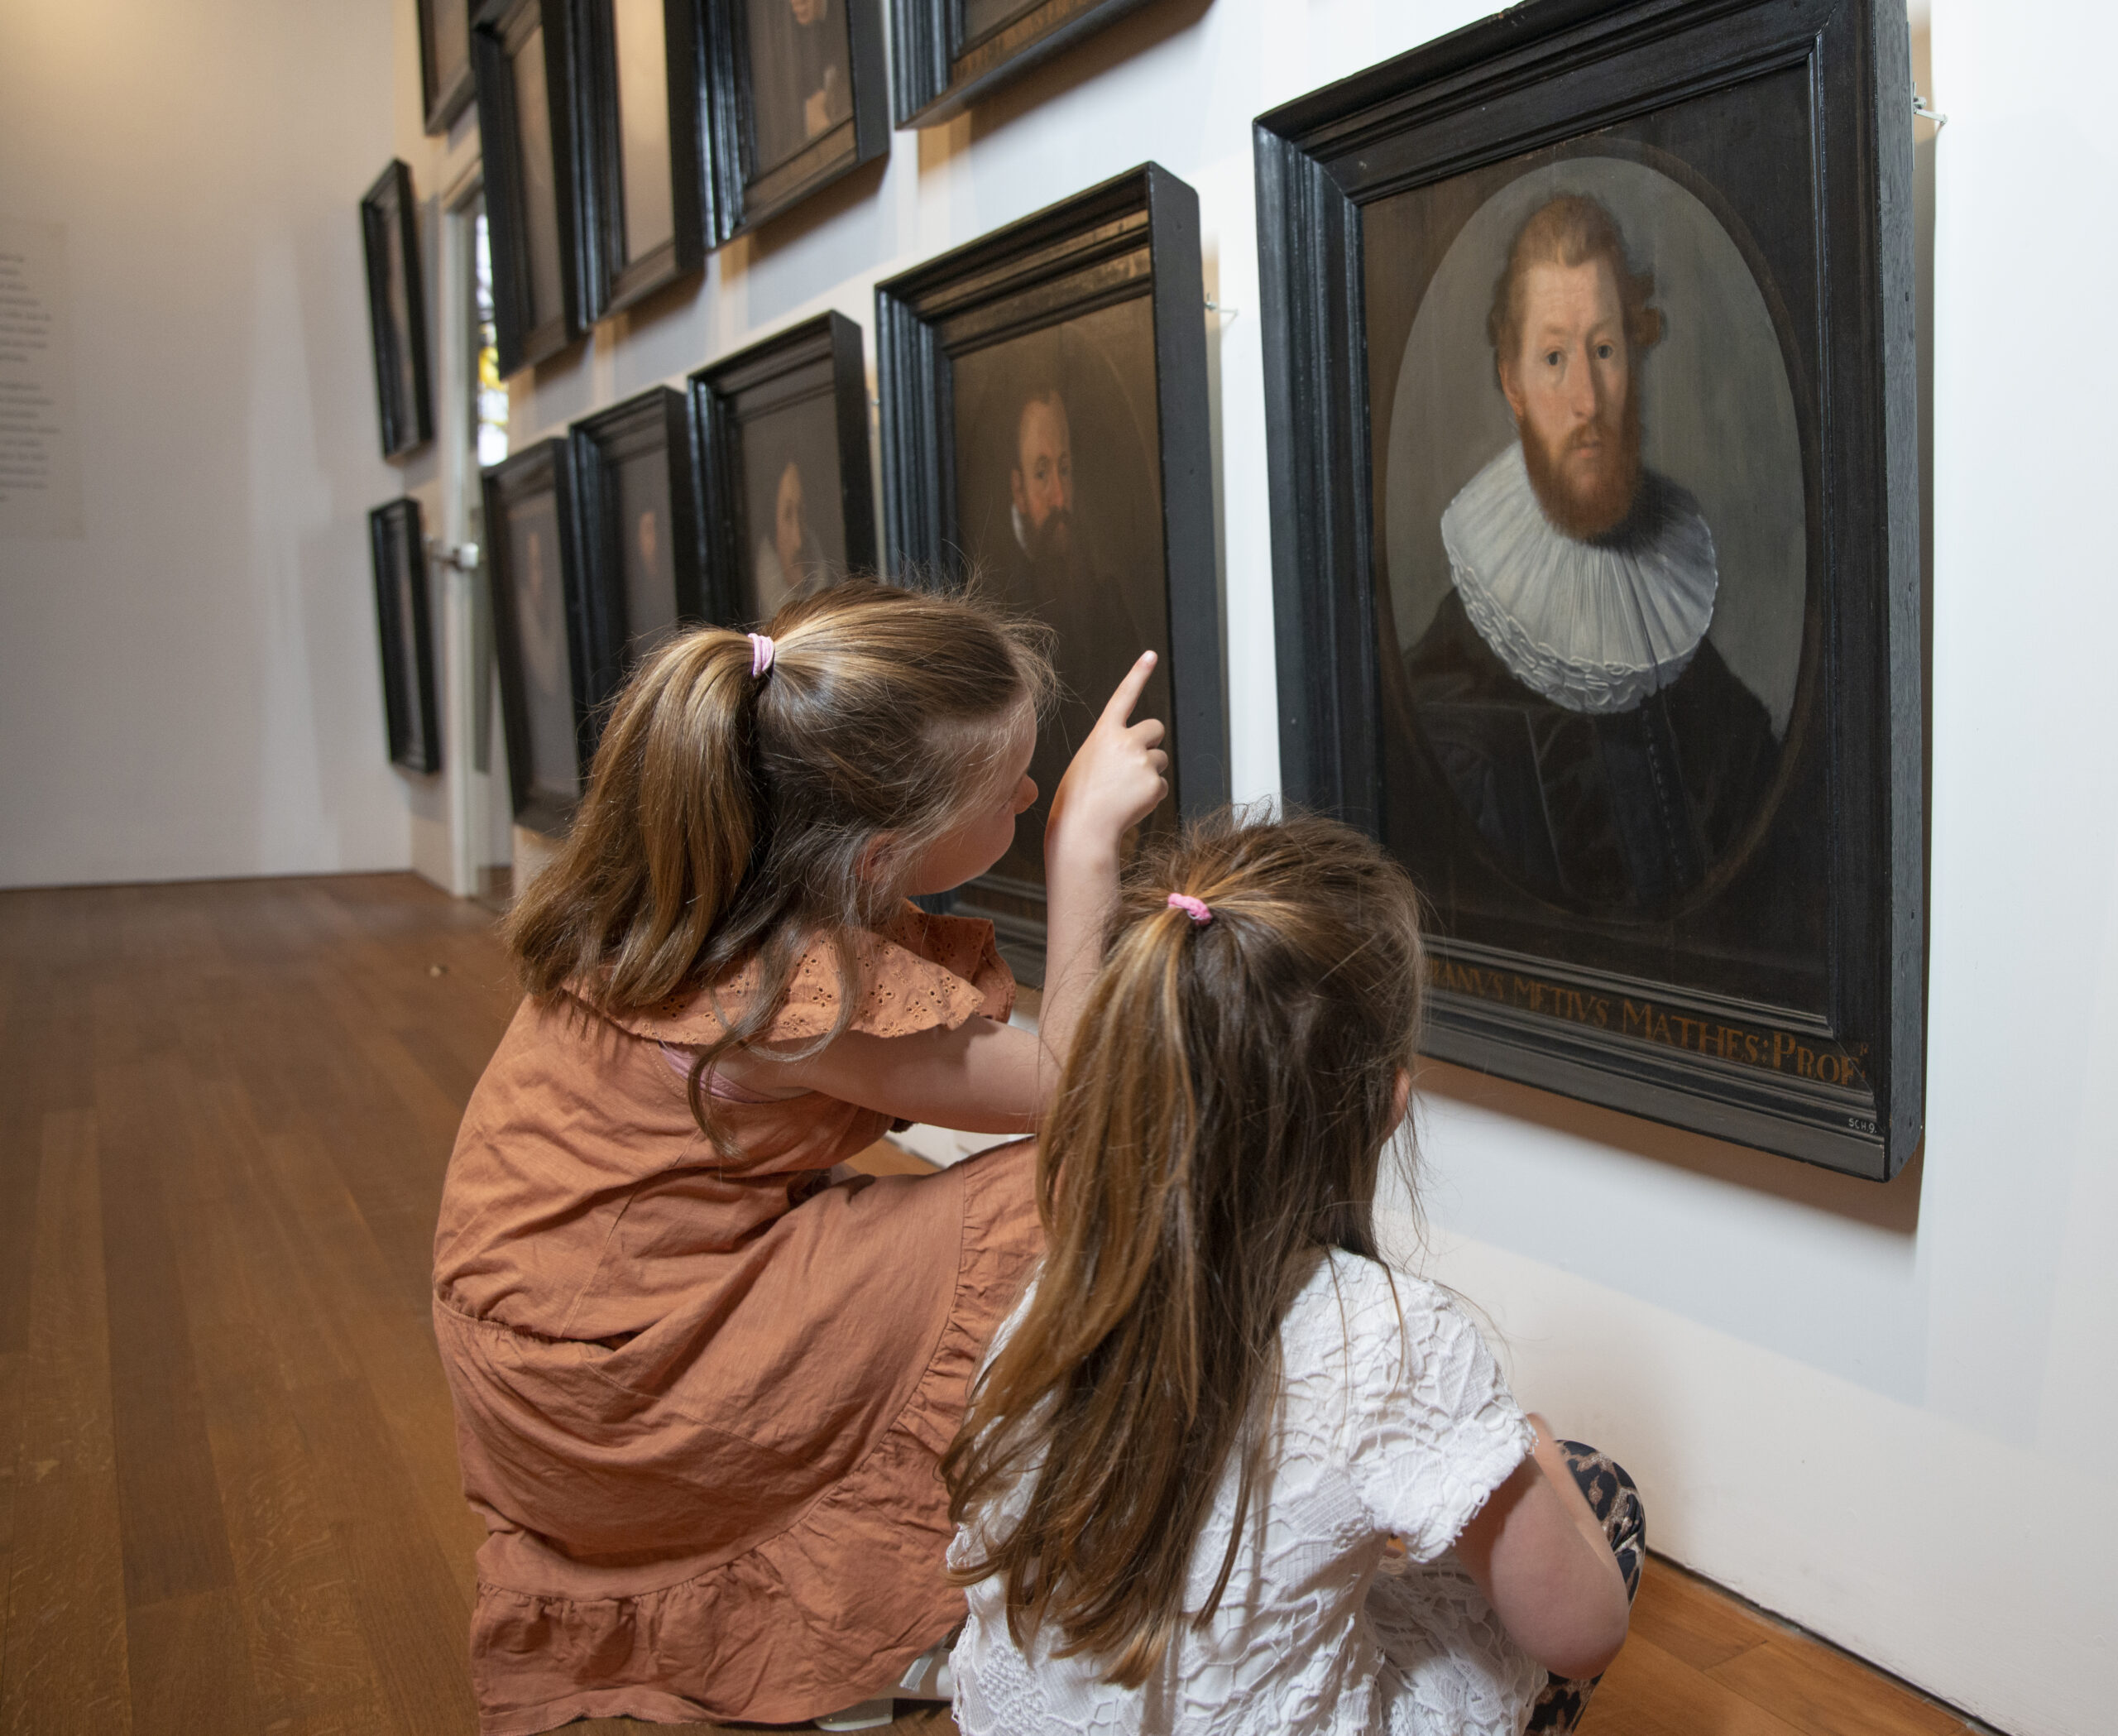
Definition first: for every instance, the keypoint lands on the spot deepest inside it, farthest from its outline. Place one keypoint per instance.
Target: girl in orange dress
(702, 1388)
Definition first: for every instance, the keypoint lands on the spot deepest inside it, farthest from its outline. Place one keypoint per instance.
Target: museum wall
(1886, 1411)
(188, 687)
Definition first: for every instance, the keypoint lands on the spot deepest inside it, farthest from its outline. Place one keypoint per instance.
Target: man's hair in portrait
(1041, 389)
(1570, 230)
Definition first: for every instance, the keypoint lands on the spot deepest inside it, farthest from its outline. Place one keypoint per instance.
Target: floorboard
(228, 1493)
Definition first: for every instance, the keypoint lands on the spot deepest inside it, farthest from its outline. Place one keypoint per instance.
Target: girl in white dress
(1226, 1470)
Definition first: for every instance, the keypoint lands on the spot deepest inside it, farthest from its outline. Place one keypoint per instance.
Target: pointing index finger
(1127, 693)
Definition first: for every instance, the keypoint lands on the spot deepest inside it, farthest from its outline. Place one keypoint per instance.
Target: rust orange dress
(700, 1403)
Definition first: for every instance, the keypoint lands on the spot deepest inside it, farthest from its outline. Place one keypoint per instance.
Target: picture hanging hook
(1922, 111)
(1215, 307)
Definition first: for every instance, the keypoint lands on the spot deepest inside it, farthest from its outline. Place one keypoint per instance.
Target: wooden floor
(228, 1500)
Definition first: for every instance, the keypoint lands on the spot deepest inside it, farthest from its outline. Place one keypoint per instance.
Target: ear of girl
(1216, 1371)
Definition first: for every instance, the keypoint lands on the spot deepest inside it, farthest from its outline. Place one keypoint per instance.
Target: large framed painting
(525, 56)
(1591, 398)
(952, 53)
(645, 68)
(634, 481)
(540, 636)
(444, 60)
(397, 312)
(411, 717)
(1045, 435)
(797, 102)
(782, 444)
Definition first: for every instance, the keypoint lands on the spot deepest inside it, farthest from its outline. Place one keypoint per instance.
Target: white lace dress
(1386, 1431)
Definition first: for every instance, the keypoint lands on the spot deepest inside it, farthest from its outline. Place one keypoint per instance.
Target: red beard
(1587, 503)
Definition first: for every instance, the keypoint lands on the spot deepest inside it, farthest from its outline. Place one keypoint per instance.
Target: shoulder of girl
(916, 972)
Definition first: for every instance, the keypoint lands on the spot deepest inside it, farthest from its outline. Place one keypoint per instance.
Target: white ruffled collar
(1593, 627)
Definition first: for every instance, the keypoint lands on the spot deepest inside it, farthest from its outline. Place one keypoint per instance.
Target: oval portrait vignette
(1596, 537)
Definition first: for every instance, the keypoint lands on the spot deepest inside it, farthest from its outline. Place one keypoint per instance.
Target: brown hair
(1570, 230)
(1220, 1123)
(727, 815)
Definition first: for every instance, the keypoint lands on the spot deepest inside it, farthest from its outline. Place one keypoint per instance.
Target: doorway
(473, 434)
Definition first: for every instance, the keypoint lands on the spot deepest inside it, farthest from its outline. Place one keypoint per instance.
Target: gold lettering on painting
(1770, 1051)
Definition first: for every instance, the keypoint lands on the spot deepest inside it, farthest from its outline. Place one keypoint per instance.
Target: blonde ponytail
(729, 813)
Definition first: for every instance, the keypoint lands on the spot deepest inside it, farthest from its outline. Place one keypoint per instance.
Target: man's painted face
(787, 523)
(806, 12)
(1043, 478)
(1570, 384)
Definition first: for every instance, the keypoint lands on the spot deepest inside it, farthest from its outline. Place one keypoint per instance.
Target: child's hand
(1117, 778)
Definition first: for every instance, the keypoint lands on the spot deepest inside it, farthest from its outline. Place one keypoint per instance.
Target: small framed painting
(411, 716)
(634, 479)
(951, 53)
(444, 60)
(796, 88)
(397, 312)
(525, 60)
(1596, 545)
(1045, 435)
(540, 631)
(783, 439)
(645, 68)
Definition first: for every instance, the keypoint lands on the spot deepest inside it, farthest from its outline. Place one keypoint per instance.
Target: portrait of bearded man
(1050, 563)
(1567, 685)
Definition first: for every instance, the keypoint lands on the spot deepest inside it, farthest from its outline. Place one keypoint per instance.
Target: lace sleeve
(1431, 1429)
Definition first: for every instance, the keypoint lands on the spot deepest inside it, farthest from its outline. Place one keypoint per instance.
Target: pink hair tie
(1194, 908)
(760, 654)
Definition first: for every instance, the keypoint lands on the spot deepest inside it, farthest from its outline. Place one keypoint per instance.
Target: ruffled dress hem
(810, 1666)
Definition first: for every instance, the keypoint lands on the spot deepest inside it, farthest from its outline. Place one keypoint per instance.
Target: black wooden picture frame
(1111, 278)
(639, 580)
(541, 638)
(1772, 992)
(405, 627)
(744, 192)
(397, 311)
(950, 54)
(632, 266)
(817, 366)
(444, 60)
(540, 200)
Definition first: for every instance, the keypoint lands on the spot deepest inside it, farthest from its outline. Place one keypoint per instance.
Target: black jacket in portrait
(1623, 811)
(1100, 625)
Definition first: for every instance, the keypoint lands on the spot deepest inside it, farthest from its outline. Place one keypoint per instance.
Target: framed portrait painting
(444, 60)
(397, 312)
(525, 57)
(951, 53)
(797, 100)
(1045, 435)
(645, 68)
(411, 717)
(540, 636)
(783, 443)
(634, 479)
(1591, 400)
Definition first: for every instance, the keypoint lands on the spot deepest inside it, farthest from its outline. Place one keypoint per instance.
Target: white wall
(1886, 1411)
(190, 689)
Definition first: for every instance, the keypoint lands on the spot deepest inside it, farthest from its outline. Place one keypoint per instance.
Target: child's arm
(982, 1077)
(1116, 780)
(1537, 1551)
